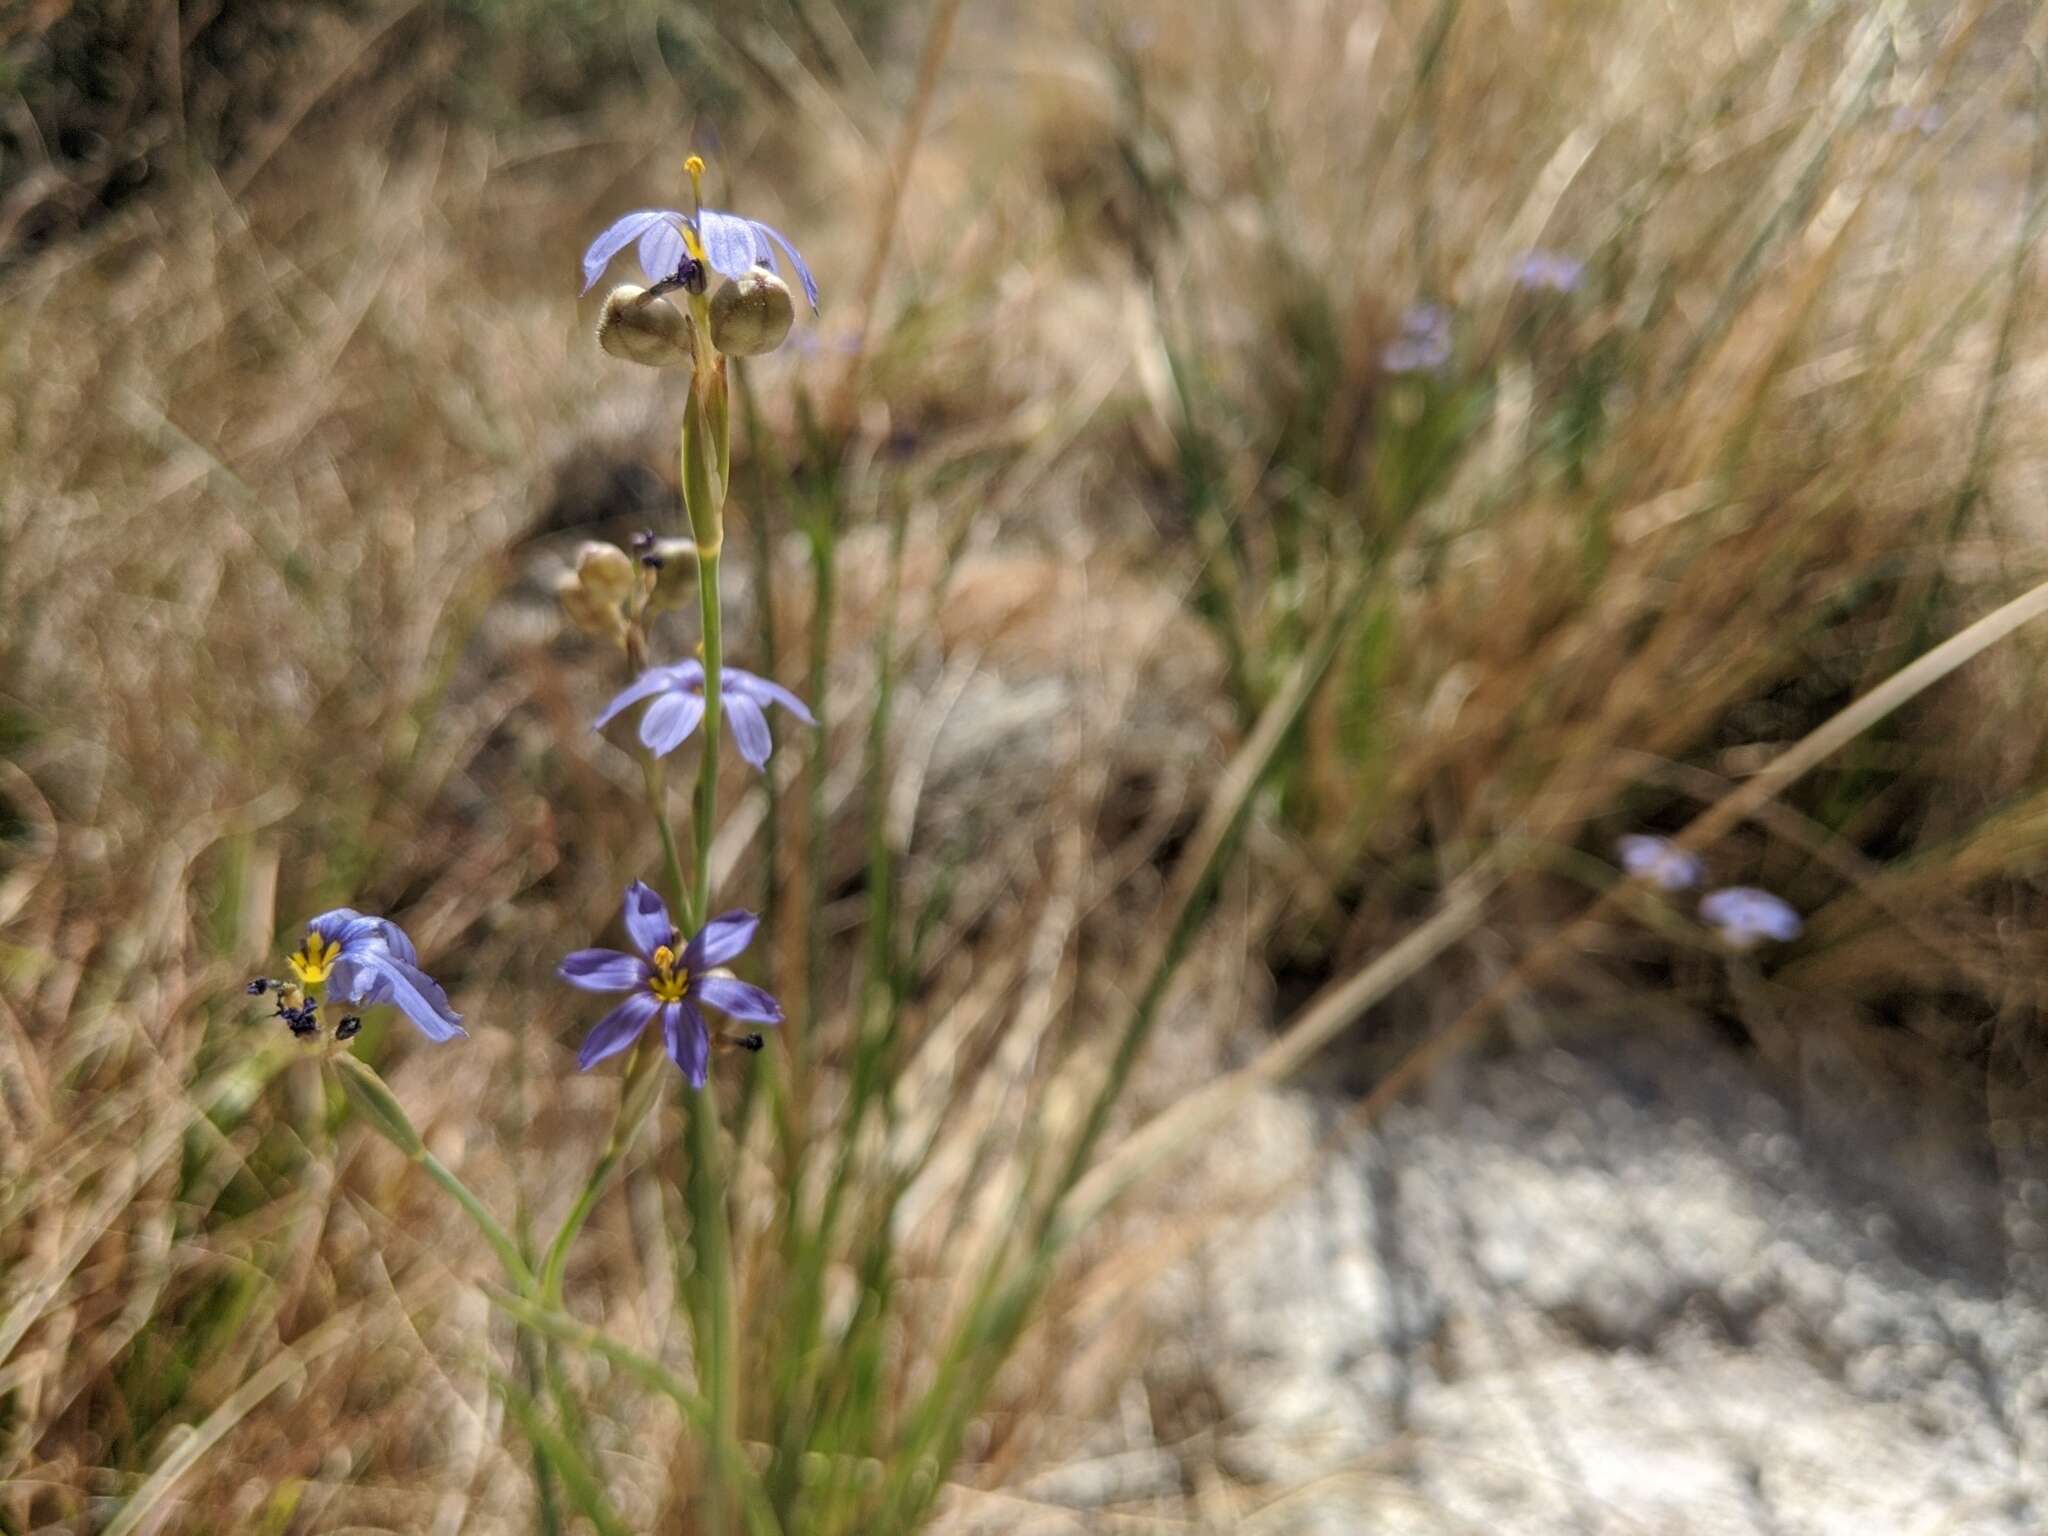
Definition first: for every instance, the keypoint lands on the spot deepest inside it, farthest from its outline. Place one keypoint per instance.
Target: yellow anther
(312, 963)
(694, 167)
(664, 958)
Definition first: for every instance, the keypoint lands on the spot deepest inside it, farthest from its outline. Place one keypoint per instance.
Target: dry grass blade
(185, 1450)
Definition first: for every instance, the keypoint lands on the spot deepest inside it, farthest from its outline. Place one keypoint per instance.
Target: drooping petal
(803, 270)
(749, 729)
(722, 939)
(344, 926)
(617, 1029)
(728, 242)
(764, 692)
(602, 970)
(397, 940)
(615, 239)
(740, 999)
(647, 921)
(689, 1042)
(669, 721)
(662, 249)
(654, 680)
(374, 975)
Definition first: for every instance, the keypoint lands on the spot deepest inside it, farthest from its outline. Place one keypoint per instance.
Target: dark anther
(260, 986)
(691, 275)
(304, 1019)
(349, 1027)
(750, 1042)
(653, 562)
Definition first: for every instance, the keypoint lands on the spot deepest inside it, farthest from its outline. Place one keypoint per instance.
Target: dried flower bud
(607, 573)
(585, 611)
(643, 329)
(673, 565)
(751, 314)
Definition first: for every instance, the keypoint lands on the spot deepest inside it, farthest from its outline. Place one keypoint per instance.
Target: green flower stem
(383, 1113)
(652, 776)
(707, 770)
(643, 1080)
(717, 1360)
(706, 451)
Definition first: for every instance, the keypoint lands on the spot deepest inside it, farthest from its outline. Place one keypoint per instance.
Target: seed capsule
(752, 314)
(644, 329)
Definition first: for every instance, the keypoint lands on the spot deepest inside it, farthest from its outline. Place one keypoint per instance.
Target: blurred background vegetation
(300, 418)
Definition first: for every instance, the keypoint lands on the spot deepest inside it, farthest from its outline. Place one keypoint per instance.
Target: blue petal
(376, 976)
(617, 1029)
(803, 270)
(689, 1042)
(344, 926)
(764, 692)
(738, 998)
(662, 249)
(728, 242)
(647, 919)
(722, 939)
(614, 240)
(669, 721)
(396, 941)
(650, 682)
(749, 729)
(602, 970)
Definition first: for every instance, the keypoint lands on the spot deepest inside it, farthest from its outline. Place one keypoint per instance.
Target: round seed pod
(751, 315)
(607, 573)
(584, 611)
(645, 330)
(673, 565)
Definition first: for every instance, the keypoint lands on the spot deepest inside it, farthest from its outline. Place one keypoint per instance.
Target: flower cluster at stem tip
(350, 958)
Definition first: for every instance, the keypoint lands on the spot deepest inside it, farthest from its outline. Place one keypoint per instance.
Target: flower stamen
(312, 963)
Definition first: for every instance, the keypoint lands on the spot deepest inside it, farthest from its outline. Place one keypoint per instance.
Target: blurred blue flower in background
(1425, 341)
(1660, 861)
(726, 243)
(1745, 916)
(1549, 272)
(669, 983)
(678, 694)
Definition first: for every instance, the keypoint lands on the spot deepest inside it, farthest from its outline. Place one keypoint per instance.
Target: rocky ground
(1605, 1289)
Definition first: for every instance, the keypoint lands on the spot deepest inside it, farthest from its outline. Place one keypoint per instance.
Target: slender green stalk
(716, 1356)
(672, 860)
(708, 563)
(643, 1078)
(383, 1114)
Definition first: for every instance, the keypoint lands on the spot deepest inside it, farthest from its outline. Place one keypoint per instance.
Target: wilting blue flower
(1549, 272)
(669, 980)
(370, 960)
(1660, 862)
(678, 694)
(1425, 341)
(730, 245)
(1745, 916)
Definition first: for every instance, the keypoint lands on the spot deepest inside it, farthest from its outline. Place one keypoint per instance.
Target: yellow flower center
(312, 963)
(669, 982)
